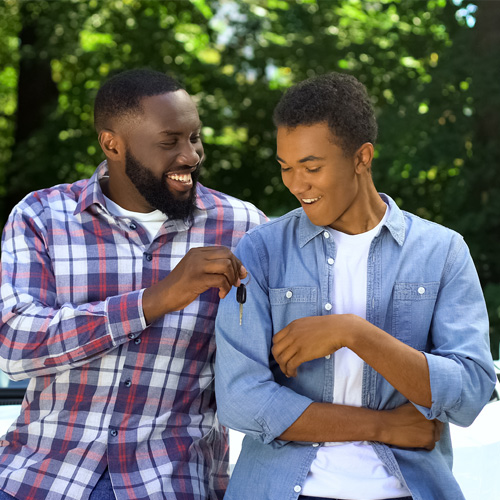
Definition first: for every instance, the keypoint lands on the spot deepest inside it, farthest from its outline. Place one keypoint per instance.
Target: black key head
(241, 294)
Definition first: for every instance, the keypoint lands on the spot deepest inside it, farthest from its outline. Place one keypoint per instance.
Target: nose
(190, 154)
(295, 182)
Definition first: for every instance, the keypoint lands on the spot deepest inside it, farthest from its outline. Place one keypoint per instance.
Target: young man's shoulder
(418, 226)
(277, 229)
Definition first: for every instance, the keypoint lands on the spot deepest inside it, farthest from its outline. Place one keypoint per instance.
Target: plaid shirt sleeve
(38, 335)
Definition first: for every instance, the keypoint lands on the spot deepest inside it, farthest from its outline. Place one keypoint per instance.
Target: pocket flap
(292, 294)
(416, 291)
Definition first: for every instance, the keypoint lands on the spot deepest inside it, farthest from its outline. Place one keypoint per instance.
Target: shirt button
(113, 432)
(328, 307)
(133, 225)
(315, 445)
(326, 234)
(328, 356)
(131, 336)
(148, 256)
(289, 294)
(330, 261)
(297, 488)
(127, 383)
(137, 341)
(421, 290)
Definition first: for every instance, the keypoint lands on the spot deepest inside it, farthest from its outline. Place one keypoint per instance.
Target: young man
(110, 288)
(354, 309)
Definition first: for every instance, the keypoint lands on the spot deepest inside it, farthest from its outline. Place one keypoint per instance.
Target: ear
(363, 158)
(111, 144)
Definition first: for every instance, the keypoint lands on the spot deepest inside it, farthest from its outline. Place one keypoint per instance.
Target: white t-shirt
(151, 221)
(353, 469)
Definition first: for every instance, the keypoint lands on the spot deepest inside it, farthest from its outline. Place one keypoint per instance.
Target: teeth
(310, 200)
(185, 178)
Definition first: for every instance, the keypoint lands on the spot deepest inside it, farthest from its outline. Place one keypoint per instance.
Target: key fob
(241, 294)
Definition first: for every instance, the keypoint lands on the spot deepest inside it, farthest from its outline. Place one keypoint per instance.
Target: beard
(156, 192)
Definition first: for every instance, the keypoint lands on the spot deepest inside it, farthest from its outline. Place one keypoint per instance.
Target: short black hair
(121, 95)
(336, 98)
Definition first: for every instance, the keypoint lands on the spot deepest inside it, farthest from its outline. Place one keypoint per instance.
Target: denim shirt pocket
(291, 303)
(413, 307)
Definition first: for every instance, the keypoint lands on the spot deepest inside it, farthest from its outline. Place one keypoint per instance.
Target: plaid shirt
(105, 389)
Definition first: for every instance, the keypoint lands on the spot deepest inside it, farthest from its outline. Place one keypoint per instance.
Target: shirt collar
(92, 193)
(395, 223)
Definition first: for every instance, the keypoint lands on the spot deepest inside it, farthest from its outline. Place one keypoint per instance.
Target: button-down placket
(327, 299)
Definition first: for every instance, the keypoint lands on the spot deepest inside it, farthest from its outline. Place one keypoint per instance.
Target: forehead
(172, 111)
(304, 140)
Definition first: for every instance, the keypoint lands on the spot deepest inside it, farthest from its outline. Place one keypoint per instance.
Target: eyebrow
(303, 160)
(173, 132)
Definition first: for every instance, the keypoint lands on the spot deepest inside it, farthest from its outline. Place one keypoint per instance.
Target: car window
(11, 392)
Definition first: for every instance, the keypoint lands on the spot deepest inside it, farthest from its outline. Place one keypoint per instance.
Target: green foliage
(434, 82)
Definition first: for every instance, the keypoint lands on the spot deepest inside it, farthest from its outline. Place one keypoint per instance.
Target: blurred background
(432, 68)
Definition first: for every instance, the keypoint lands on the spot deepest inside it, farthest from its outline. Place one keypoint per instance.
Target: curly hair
(121, 95)
(335, 98)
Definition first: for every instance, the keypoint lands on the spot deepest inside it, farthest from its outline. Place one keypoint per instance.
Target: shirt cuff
(446, 383)
(280, 412)
(126, 317)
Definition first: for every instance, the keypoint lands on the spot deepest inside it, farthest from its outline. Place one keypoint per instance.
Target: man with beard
(110, 288)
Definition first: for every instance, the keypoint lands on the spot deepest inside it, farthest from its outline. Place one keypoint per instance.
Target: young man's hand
(311, 338)
(406, 427)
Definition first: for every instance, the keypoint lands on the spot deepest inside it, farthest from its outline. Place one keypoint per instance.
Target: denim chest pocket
(291, 303)
(413, 308)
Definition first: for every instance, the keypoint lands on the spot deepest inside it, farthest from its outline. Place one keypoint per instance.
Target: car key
(241, 297)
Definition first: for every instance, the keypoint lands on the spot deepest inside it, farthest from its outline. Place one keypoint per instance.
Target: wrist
(352, 334)
(154, 302)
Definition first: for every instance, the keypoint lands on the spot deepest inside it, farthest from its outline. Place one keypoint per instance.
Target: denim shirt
(422, 288)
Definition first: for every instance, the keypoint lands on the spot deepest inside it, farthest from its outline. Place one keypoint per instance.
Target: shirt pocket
(291, 303)
(412, 312)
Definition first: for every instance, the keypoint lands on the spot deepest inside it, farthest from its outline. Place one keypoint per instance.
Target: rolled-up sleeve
(248, 398)
(461, 368)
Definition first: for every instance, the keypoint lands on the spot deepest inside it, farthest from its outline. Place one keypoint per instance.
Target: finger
(222, 266)
(281, 335)
(289, 361)
(280, 345)
(217, 253)
(214, 251)
(224, 291)
(235, 265)
(292, 364)
(239, 269)
(281, 357)
(217, 281)
(243, 271)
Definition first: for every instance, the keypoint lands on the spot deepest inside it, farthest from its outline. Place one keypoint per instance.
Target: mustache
(193, 169)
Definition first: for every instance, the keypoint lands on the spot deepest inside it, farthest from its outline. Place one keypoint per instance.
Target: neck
(118, 188)
(365, 212)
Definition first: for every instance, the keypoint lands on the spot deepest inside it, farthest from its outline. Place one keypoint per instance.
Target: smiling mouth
(309, 201)
(182, 178)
